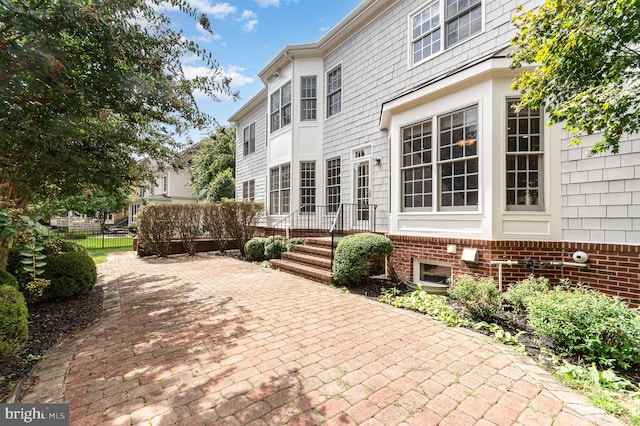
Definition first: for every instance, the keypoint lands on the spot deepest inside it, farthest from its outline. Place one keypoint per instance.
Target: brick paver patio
(215, 341)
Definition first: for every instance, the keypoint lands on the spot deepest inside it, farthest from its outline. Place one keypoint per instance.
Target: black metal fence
(113, 237)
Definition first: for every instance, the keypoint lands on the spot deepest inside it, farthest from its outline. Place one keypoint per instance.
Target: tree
(88, 88)
(213, 165)
(588, 58)
(98, 204)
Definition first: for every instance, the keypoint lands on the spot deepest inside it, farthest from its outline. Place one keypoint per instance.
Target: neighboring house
(407, 105)
(170, 186)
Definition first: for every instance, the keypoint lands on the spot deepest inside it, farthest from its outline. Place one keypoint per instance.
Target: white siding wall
(253, 166)
(601, 193)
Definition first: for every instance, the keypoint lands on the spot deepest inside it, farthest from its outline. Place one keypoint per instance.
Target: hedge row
(233, 220)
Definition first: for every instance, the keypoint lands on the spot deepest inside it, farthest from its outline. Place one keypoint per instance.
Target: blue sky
(249, 33)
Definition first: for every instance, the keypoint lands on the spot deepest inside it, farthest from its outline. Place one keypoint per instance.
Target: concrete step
(323, 262)
(306, 271)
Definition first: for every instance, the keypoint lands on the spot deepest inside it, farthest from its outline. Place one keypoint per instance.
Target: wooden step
(305, 271)
(323, 262)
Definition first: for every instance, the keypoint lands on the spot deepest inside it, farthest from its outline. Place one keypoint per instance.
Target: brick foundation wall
(613, 269)
(176, 247)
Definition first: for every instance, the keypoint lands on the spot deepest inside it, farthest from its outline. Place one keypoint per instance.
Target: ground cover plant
(589, 340)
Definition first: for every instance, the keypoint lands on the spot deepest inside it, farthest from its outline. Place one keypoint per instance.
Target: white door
(362, 191)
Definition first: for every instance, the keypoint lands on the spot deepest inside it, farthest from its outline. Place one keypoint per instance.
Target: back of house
(403, 118)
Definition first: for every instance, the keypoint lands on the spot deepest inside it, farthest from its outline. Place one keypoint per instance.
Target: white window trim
(326, 91)
(436, 207)
(302, 99)
(410, 63)
(416, 270)
(281, 107)
(248, 150)
(280, 189)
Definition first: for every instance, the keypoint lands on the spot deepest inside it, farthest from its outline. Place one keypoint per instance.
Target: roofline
(255, 101)
(366, 11)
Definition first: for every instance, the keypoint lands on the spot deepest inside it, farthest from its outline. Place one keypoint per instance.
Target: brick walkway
(212, 340)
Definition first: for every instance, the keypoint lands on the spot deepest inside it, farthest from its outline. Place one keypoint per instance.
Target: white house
(406, 105)
(170, 186)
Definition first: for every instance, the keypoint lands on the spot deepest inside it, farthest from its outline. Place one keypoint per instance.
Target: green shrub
(8, 279)
(294, 242)
(13, 320)
(588, 324)
(70, 274)
(358, 256)
(520, 293)
(274, 246)
(254, 249)
(57, 246)
(479, 295)
(14, 267)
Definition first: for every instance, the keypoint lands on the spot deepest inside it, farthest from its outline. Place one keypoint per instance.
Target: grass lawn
(110, 243)
(100, 255)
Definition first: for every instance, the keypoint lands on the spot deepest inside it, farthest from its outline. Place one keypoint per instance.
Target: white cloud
(218, 11)
(249, 19)
(235, 73)
(267, 3)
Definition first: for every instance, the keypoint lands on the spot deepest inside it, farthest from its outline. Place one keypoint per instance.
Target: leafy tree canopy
(213, 165)
(589, 61)
(98, 204)
(89, 87)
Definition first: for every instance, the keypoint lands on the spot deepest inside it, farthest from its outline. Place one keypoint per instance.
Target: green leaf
(26, 261)
(40, 264)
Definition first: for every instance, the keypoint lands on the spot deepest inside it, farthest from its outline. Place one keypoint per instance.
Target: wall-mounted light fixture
(276, 73)
(378, 161)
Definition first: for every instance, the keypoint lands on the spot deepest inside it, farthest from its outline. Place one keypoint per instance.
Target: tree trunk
(4, 252)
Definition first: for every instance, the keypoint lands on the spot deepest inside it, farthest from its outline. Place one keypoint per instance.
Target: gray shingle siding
(252, 166)
(608, 185)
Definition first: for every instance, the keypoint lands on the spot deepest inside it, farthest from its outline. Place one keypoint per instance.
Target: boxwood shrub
(71, 274)
(8, 279)
(13, 320)
(588, 324)
(254, 249)
(358, 256)
(274, 246)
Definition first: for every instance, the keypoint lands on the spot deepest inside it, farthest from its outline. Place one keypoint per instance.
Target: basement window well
(431, 272)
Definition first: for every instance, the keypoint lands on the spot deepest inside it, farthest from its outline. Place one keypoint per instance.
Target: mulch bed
(49, 324)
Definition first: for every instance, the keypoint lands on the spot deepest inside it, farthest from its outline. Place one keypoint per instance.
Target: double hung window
(308, 98)
(281, 107)
(249, 139)
(308, 186)
(524, 158)
(439, 169)
(280, 189)
(334, 91)
(333, 185)
(249, 190)
(442, 24)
